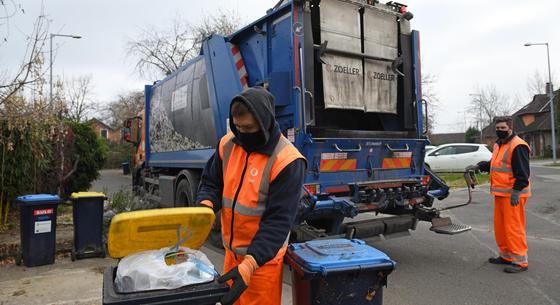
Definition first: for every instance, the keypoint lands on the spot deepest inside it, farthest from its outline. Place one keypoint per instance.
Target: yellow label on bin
(137, 231)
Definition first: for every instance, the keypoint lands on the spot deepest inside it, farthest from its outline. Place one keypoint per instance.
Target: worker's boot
(498, 261)
(515, 269)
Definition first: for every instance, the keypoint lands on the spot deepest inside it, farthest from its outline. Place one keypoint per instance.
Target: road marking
(550, 177)
(542, 217)
(81, 301)
(528, 236)
(535, 287)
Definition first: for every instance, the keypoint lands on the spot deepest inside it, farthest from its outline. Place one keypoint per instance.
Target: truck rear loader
(347, 84)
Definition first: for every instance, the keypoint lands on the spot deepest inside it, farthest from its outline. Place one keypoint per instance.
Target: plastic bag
(148, 270)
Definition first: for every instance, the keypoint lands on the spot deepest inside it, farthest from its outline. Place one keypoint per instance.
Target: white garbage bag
(148, 270)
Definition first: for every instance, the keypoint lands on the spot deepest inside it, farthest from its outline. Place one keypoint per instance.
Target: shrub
(91, 154)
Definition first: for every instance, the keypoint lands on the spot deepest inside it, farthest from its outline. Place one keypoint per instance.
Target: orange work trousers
(266, 283)
(509, 230)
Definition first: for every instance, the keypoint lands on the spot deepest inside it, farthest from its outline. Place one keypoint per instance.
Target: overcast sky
(466, 44)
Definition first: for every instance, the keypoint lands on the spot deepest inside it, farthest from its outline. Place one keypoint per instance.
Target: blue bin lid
(328, 255)
(43, 198)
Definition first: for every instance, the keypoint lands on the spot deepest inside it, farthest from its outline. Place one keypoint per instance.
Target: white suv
(455, 157)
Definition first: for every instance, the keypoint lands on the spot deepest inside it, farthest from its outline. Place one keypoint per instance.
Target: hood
(261, 104)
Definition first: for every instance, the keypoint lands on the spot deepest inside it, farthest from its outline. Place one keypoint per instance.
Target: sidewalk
(544, 163)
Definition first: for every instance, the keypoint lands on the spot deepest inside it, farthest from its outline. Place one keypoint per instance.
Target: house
(532, 124)
(105, 131)
(446, 138)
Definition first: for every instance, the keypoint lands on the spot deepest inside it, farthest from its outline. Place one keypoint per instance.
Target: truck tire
(185, 194)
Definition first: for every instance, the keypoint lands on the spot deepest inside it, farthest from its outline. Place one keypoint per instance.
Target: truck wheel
(184, 195)
(215, 237)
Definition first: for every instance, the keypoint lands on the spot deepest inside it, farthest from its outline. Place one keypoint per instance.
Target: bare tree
(429, 82)
(126, 106)
(158, 52)
(487, 103)
(536, 83)
(30, 71)
(79, 98)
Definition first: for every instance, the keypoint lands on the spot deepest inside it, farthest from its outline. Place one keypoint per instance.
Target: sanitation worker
(511, 186)
(255, 179)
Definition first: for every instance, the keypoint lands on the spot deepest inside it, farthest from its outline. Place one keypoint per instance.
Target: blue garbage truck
(347, 84)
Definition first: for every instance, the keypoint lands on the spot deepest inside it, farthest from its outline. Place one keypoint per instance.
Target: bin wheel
(73, 255)
(18, 258)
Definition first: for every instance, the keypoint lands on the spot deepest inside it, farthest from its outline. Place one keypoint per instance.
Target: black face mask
(252, 140)
(502, 134)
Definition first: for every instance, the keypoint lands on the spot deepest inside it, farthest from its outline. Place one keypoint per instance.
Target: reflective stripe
(243, 250)
(501, 170)
(506, 155)
(228, 147)
(242, 209)
(509, 191)
(516, 259)
(236, 250)
(265, 179)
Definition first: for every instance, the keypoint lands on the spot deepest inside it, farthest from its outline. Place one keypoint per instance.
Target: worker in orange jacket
(255, 179)
(511, 186)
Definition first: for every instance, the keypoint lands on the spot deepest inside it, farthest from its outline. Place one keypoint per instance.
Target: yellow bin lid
(79, 195)
(137, 231)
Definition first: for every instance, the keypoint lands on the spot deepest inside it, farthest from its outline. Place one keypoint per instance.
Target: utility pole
(550, 99)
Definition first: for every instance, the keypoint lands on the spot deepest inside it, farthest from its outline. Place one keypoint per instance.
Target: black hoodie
(282, 203)
(261, 104)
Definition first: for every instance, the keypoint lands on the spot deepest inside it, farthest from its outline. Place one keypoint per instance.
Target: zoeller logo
(343, 69)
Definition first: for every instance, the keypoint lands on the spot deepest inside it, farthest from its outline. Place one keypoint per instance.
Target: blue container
(87, 212)
(37, 229)
(338, 272)
(125, 168)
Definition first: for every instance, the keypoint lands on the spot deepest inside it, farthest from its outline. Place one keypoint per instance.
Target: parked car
(430, 148)
(455, 157)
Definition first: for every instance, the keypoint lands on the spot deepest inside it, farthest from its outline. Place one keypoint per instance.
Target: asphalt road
(431, 269)
(439, 269)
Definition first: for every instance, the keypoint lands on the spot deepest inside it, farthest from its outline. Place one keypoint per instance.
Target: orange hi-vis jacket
(501, 173)
(247, 177)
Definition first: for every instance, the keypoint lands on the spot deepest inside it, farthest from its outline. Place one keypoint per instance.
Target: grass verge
(456, 180)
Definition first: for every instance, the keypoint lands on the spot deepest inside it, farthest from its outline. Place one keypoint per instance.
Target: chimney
(548, 88)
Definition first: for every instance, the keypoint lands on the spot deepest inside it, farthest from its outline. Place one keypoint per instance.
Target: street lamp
(51, 61)
(550, 98)
(51, 104)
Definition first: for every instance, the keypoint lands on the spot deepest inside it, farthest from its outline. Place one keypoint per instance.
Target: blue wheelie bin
(338, 272)
(87, 212)
(37, 229)
(125, 168)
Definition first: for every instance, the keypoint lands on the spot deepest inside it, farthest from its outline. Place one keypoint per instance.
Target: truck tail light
(313, 188)
(425, 180)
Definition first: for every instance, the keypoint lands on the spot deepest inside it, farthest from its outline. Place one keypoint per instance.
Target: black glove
(474, 168)
(236, 288)
(514, 200)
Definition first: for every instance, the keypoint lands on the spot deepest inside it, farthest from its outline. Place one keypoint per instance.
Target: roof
(539, 107)
(445, 138)
(95, 120)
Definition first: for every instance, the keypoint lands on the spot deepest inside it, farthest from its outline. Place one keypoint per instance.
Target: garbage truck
(346, 77)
